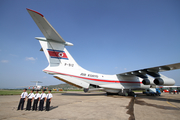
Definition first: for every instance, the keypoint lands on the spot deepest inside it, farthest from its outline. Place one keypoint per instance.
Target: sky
(109, 37)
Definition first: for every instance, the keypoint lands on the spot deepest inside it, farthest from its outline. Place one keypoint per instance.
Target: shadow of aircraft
(160, 98)
(84, 94)
(141, 102)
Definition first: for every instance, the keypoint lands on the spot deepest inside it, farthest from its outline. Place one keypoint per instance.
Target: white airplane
(35, 87)
(63, 67)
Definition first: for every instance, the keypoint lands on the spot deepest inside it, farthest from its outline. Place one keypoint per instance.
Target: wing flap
(46, 28)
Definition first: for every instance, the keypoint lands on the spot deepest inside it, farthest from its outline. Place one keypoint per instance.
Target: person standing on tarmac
(177, 90)
(29, 100)
(48, 100)
(42, 100)
(169, 90)
(22, 99)
(36, 99)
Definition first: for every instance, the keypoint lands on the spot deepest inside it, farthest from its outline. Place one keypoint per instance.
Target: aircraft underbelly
(109, 84)
(73, 80)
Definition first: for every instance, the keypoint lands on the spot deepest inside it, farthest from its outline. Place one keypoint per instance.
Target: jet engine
(163, 80)
(146, 81)
(158, 81)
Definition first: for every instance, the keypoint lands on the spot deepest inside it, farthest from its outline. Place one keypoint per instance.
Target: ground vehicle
(152, 91)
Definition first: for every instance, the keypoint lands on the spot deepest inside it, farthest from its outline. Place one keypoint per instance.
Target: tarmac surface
(96, 106)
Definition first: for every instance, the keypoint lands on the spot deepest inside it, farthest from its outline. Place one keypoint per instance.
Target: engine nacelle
(163, 80)
(159, 81)
(146, 81)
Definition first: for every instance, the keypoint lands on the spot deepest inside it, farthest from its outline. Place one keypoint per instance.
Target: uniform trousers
(41, 105)
(35, 104)
(48, 104)
(21, 104)
(28, 107)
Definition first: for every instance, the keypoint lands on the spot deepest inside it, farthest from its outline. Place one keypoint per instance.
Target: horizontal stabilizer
(48, 31)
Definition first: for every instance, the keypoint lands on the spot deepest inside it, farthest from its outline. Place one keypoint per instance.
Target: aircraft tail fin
(56, 53)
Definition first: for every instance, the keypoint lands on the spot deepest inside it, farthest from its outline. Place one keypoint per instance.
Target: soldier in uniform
(177, 90)
(29, 100)
(22, 99)
(169, 90)
(48, 100)
(42, 100)
(36, 99)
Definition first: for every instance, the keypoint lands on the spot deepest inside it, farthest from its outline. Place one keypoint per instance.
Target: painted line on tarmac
(171, 104)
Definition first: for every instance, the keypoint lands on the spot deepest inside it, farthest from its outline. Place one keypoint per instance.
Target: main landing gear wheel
(108, 93)
(124, 93)
(131, 94)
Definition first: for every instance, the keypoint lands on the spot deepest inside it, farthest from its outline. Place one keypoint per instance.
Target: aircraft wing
(48, 31)
(153, 71)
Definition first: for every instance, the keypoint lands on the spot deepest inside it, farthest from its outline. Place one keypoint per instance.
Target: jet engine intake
(146, 81)
(158, 81)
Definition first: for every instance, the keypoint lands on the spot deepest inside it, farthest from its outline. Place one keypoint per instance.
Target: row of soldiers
(36, 97)
(173, 91)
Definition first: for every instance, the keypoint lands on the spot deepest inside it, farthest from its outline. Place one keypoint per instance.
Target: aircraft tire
(125, 93)
(131, 93)
(108, 93)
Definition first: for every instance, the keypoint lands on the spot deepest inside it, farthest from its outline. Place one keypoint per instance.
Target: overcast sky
(109, 36)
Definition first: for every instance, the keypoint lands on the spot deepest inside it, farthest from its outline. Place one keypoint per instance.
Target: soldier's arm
(45, 99)
(32, 99)
(25, 98)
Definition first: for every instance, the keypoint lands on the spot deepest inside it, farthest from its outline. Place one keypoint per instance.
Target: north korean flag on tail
(57, 54)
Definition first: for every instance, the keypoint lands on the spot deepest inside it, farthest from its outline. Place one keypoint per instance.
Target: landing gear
(108, 93)
(86, 90)
(122, 92)
(126, 93)
(131, 93)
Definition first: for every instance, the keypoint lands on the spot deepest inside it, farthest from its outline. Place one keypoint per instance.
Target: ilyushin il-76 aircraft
(63, 67)
(34, 87)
